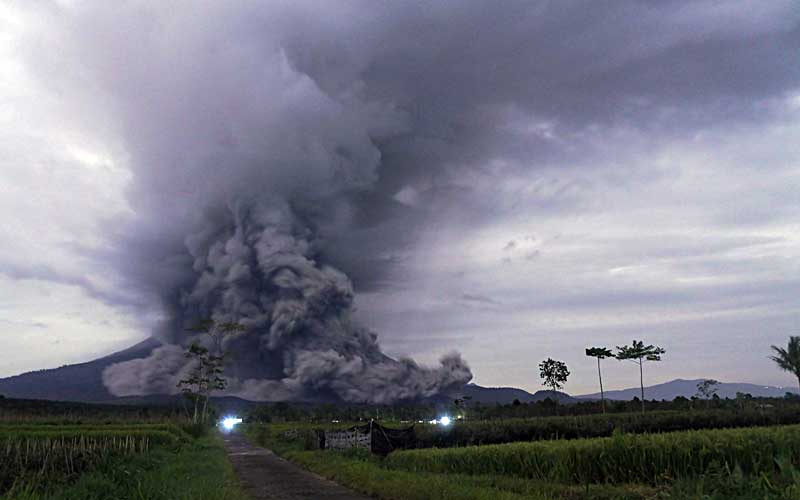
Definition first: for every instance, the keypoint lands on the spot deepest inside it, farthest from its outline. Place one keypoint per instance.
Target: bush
(196, 430)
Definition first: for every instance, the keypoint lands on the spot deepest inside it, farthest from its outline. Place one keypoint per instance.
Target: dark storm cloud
(277, 149)
(476, 81)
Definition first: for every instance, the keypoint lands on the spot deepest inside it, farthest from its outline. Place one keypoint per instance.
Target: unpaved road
(264, 475)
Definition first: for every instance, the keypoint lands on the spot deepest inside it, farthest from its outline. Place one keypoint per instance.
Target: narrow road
(266, 476)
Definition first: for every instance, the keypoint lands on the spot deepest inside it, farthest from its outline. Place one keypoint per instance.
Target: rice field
(498, 431)
(50, 454)
(738, 463)
(622, 458)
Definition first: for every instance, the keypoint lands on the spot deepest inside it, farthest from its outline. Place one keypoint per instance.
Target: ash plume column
(255, 266)
(248, 160)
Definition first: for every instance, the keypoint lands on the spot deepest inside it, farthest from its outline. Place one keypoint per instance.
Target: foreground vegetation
(464, 433)
(498, 431)
(14, 411)
(113, 460)
(194, 470)
(744, 452)
(758, 462)
(646, 458)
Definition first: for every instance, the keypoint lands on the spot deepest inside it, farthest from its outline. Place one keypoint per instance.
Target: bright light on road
(444, 420)
(229, 423)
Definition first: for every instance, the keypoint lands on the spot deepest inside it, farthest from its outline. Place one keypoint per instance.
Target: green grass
(363, 472)
(366, 475)
(197, 470)
(735, 464)
(474, 432)
(645, 458)
(56, 457)
(9, 429)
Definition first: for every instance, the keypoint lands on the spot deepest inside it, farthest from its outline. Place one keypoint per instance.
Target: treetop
(599, 352)
(638, 351)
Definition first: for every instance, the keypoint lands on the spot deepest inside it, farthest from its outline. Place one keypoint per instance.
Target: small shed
(372, 436)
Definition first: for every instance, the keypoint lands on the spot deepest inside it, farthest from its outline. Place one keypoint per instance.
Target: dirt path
(266, 476)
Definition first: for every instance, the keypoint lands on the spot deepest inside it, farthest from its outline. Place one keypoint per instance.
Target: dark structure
(378, 439)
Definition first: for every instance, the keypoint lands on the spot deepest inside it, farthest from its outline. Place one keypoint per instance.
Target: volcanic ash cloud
(254, 266)
(249, 153)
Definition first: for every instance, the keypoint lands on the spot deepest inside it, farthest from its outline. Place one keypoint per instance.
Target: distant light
(444, 420)
(229, 423)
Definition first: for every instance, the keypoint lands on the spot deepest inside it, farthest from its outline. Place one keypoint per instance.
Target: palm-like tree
(788, 359)
(600, 353)
(639, 354)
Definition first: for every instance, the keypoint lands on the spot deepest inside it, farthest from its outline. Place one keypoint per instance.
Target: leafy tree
(196, 384)
(554, 373)
(208, 368)
(600, 353)
(788, 359)
(639, 353)
(707, 388)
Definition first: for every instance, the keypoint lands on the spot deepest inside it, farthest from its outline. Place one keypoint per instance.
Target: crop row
(622, 458)
(464, 433)
(60, 454)
(11, 430)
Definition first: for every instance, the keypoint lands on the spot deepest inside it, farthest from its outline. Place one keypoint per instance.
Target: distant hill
(688, 388)
(80, 382)
(507, 395)
(83, 383)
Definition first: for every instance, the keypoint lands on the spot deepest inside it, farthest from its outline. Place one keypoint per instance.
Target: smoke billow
(254, 265)
(244, 170)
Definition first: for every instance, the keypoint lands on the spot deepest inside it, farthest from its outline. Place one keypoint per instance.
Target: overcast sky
(547, 176)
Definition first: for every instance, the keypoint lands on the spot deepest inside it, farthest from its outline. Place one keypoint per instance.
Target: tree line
(554, 373)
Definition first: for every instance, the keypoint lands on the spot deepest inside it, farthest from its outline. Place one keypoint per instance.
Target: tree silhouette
(707, 389)
(554, 373)
(788, 359)
(639, 354)
(600, 353)
(209, 364)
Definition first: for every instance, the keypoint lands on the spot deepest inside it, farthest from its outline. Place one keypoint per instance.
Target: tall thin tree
(211, 361)
(788, 359)
(639, 354)
(600, 353)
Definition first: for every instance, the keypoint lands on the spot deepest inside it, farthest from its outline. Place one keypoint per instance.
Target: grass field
(47, 461)
(641, 457)
(746, 463)
(464, 433)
